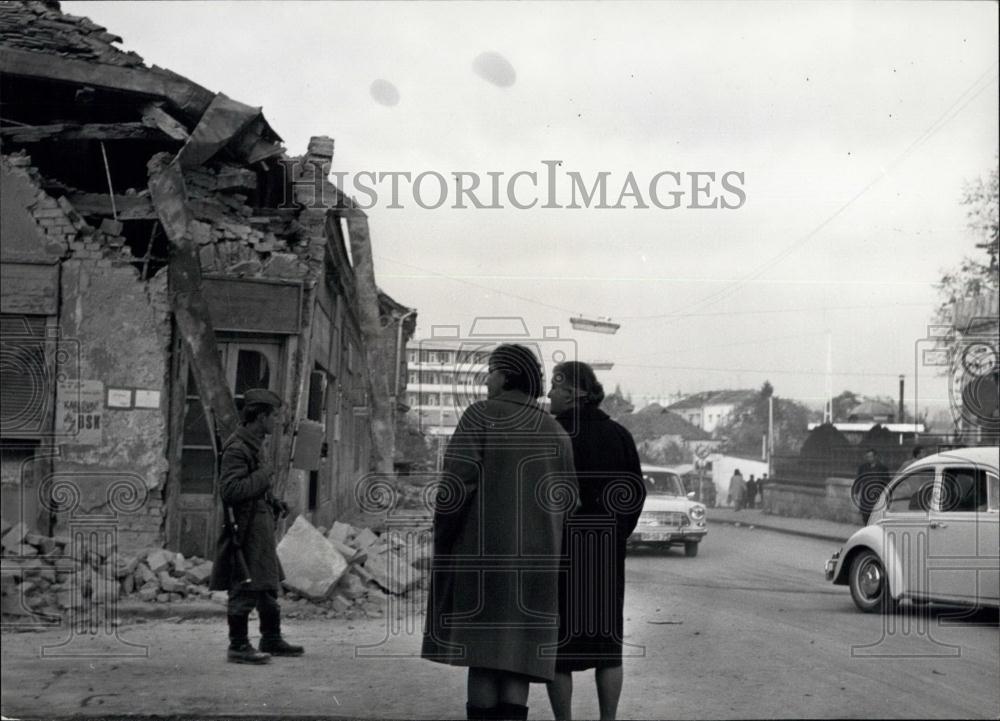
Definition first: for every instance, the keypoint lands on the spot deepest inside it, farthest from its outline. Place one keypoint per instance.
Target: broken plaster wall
(120, 329)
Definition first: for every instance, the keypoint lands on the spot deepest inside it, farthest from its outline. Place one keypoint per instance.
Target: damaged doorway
(195, 524)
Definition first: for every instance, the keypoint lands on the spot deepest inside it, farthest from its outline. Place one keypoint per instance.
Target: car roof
(659, 469)
(980, 455)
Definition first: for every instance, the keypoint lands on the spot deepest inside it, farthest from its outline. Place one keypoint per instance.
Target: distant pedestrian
(751, 491)
(870, 481)
(245, 486)
(737, 490)
(761, 482)
(507, 485)
(915, 455)
(612, 492)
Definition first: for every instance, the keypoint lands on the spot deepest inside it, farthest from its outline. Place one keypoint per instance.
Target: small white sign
(119, 397)
(147, 399)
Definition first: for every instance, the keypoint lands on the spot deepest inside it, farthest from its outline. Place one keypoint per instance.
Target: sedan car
(669, 516)
(933, 536)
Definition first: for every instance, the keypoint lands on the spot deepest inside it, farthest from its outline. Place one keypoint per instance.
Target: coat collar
(243, 434)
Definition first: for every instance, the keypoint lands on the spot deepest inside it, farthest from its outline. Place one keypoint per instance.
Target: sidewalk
(807, 527)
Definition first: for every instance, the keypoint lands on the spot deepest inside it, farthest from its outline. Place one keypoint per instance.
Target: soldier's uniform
(245, 485)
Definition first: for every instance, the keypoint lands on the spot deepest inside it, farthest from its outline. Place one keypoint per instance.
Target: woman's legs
(489, 687)
(609, 690)
(561, 696)
(483, 688)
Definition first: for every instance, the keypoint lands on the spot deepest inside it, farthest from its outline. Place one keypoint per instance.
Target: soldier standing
(246, 561)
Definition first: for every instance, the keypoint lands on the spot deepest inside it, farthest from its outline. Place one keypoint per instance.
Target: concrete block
(162, 597)
(145, 574)
(364, 538)
(220, 597)
(199, 574)
(149, 593)
(340, 604)
(392, 572)
(14, 537)
(341, 532)
(159, 560)
(351, 586)
(312, 565)
(170, 584)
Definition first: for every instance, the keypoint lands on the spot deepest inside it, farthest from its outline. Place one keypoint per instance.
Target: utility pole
(770, 436)
(828, 406)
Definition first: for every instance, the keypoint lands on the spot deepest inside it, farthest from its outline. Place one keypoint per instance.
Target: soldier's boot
(240, 648)
(271, 641)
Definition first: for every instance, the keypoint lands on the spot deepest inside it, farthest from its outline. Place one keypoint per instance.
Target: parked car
(669, 516)
(933, 536)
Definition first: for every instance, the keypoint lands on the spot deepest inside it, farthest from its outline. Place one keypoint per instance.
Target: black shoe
(280, 647)
(246, 654)
(511, 711)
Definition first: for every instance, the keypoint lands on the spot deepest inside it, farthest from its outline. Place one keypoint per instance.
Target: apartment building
(444, 378)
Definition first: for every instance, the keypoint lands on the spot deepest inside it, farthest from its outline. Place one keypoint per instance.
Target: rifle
(234, 534)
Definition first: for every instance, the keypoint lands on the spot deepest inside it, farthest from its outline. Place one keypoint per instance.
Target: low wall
(830, 500)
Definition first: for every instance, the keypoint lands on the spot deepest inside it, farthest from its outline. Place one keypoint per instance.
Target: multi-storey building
(444, 378)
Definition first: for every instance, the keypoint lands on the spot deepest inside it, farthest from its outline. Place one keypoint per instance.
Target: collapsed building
(160, 254)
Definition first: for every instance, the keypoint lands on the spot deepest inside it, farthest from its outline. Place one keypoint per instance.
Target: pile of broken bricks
(345, 573)
(347, 569)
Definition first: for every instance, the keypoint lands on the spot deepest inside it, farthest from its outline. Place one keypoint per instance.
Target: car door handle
(938, 524)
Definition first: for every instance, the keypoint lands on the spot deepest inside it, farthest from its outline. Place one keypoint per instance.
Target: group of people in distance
(744, 493)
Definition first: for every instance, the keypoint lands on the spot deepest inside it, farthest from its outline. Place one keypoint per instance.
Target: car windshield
(663, 483)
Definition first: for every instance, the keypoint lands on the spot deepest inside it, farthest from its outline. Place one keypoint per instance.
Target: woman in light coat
(737, 490)
(506, 488)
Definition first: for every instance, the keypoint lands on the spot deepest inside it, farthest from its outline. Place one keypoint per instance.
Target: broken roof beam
(155, 116)
(188, 97)
(91, 131)
(129, 207)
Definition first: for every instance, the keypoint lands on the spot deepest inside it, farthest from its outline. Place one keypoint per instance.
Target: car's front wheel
(690, 550)
(869, 585)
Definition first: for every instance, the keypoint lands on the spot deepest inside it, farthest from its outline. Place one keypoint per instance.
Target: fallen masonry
(46, 577)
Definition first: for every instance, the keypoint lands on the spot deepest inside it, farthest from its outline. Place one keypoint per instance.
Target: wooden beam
(155, 116)
(129, 207)
(188, 97)
(90, 131)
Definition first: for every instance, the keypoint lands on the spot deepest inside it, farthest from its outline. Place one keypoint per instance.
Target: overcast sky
(854, 126)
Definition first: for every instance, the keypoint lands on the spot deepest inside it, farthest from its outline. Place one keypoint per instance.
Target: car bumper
(666, 535)
(831, 566)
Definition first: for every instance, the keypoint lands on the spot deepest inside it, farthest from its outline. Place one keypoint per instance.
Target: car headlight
(697, 513)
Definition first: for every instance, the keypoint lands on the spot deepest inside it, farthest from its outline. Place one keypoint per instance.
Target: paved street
(748, 629)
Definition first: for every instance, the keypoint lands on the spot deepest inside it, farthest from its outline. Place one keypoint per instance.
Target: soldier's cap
(262, 396)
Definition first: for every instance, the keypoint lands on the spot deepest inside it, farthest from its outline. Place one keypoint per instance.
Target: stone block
(364, 539)
(199, 574)
(170, 584)
(220, 597)
(128, 584)
(14, 537)
(181, 565)
(351, 586)
(162, 597)
(159, 560)
(392, 572)
(145, 574)
(175, 597)
(149, 593)
(312, 565)
(340, 604)
(341, 532)
(26, 550)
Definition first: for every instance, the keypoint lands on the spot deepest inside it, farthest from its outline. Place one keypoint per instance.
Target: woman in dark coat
(612, 492)
(506, 488)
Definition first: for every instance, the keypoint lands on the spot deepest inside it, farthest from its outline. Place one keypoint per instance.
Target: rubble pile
(345, 571)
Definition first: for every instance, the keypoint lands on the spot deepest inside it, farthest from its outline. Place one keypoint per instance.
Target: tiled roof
(705, 398)
(654, 421)
(41, 27)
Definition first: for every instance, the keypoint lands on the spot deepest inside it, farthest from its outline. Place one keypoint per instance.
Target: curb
(779, 529)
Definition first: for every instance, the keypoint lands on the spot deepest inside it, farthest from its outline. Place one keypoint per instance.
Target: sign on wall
(79, 412)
